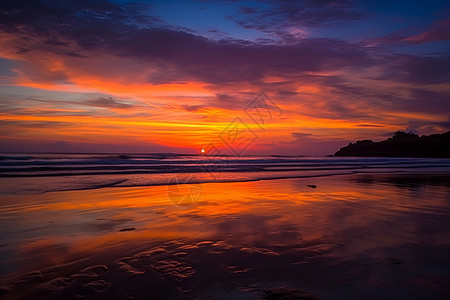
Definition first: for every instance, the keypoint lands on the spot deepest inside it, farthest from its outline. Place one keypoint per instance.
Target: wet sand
(371, 236)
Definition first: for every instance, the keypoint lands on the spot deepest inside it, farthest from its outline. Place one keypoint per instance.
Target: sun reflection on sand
(346, 221)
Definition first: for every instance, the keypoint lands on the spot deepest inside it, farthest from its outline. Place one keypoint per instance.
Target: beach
(363, 235)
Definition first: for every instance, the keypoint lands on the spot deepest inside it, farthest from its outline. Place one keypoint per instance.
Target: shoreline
(137, 242)
(107, 181)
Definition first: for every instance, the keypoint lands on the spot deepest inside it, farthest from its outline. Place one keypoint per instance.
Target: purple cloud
(438, 31)
(84, 30)
(288, 13)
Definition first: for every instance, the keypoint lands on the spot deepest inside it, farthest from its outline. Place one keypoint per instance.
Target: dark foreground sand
(360, 236)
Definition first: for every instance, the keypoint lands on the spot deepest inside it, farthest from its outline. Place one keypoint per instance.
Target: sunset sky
(173, 76)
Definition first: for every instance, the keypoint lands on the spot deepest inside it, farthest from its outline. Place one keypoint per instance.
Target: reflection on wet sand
(358, 236)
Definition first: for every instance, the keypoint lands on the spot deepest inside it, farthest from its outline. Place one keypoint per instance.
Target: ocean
(42, 173)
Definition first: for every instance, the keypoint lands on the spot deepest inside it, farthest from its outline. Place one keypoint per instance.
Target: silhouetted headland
(402, 144)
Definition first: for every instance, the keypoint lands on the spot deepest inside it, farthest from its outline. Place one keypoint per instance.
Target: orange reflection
(237, 226)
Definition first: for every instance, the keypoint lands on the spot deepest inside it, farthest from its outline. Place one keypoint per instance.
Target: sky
(235, 77)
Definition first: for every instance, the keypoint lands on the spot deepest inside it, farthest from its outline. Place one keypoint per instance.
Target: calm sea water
(61, 172)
